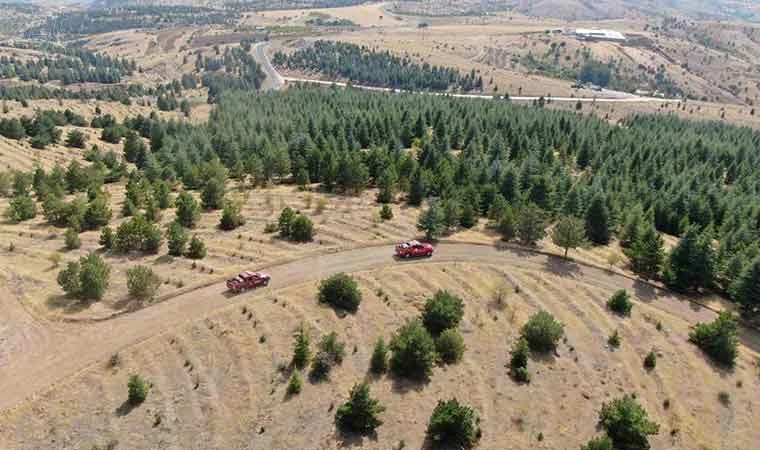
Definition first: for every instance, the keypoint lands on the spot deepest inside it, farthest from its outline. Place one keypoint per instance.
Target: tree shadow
(644, 291)
(67, 303)
(563, 267)
(125, 408)
(128, 304)
(347, 439)
(402, 385)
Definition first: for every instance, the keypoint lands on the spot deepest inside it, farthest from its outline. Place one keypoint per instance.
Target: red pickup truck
(414, 249)
(247, 280)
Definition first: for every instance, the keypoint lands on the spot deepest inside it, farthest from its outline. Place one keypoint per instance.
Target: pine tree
(360, 413)
(691, 262)
(301, 352)
(746, 289)
(646, 252)
(598, 222)
(430, 222)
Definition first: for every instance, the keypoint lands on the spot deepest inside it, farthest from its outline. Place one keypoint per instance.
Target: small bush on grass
(543, 332)
(450, 346)
(137, 390)
(620, 302)
(341, 292)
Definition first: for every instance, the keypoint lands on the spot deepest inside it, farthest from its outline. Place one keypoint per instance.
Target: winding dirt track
(69, 349)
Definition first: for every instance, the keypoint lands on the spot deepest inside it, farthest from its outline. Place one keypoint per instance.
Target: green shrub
(718, 339)
(412, 351)
(71, 239)
(302, 229)
(107, 238)
(176, 239)
(197, 249)
(542, 332)
(295, 384)
(614, 339)
(301, 352)
(21, 208)
(386, 213)
(378, 364)
(287, 216)
(599, 443)
(360, 413)
(620, 302)
(518, 361)
(453, 425)
(142, 283)
(442, 311)
(650, 361)
(231, 217)
(341, 292)
(320, 367)
(138, 389)
(521, 375)
(627, 424)
(450, 346)
(333, 348)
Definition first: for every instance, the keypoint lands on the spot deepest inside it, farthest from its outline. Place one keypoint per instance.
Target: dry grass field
(219, 382)
(344, 223)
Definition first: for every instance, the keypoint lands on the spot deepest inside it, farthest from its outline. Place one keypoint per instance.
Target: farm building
(598, 35)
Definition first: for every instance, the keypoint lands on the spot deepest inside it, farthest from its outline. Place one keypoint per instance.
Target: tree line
(71, 65)
(363, 65)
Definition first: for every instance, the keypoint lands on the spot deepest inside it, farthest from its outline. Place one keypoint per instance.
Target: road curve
(277, 82)
(81, 346)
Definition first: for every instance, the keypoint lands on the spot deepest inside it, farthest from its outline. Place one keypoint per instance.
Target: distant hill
(610, 9)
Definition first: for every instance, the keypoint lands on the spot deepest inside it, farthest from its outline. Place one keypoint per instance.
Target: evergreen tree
(360, 413)
(646, 253)
(301, 352)
(176, 239)
(746, 289)
(453, 425)
(379, 362)
(598, 222)
(530, 225)
(212, 196)
(188, 211)
(430, 222)
(691, 262)
(627, 424)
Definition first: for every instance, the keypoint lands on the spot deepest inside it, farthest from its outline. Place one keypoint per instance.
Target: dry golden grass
(344, 223)
(218, 382)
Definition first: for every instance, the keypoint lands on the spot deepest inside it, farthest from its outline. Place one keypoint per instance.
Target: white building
(598, 35)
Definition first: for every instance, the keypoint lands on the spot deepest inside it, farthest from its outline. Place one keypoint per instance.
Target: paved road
(273, 80)
(277, 82)
(80, 346)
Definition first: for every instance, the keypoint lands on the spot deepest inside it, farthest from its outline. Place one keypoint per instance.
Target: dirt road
(275, 81)
(72, 348)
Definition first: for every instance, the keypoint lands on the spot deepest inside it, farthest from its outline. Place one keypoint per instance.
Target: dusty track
(73, 348)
